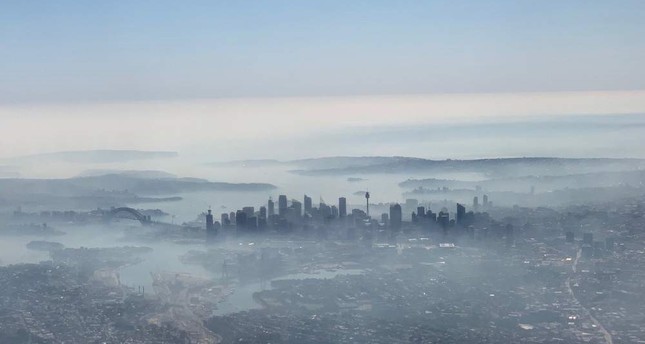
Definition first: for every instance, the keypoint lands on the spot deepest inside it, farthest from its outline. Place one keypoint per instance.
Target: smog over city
(322, 172)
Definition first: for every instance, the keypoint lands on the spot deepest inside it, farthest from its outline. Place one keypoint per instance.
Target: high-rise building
(249, 211)
(308, 205)
(443, 218)
(263, 212)
(297, 208)
(485, 201)
(475, 202)
(282, 205)
(271, 207)
(210, 226)
(252, 223)
(325, 211)
(396, 216)
(240, 219)
(224, 219)
(342, 207)
(421, 211)
(334, 211)
(432, 217)
(461, 213)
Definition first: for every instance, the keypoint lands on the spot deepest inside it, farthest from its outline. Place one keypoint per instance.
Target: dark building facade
(342, 207)
(396, 216)
(282, 205)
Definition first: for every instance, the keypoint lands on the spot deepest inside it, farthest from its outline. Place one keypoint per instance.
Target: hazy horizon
(238, 129)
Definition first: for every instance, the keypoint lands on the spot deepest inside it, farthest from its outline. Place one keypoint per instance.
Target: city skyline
(322, 172)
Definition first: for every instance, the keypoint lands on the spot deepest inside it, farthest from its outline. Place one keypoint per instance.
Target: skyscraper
(224, 219)
(308, 205)
(250, 211)
(475, 202)
(485, 201)
(334, 211)
(461, 213)
(443, 218)
(396, 216)
(325, 211)
(240, 219)
(210, 226)
(282, 205)
(342, 207)
(297, 208)
(271, 206)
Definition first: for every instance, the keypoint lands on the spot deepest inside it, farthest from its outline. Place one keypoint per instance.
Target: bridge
(145, 220)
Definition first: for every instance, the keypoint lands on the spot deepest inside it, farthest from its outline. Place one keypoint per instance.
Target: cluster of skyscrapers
(293, 214)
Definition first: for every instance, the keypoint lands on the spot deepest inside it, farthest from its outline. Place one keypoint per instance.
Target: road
(608, 338)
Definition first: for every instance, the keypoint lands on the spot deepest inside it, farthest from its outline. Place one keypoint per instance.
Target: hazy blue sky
(60, 51)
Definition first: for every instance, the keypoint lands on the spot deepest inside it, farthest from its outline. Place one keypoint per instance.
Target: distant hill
(542, 184)
(247, 163)
(95, 156)
(314, 163)
(147, 174)
(80, 186)
(491, 168)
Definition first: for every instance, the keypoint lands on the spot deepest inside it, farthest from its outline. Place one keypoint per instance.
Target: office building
(271, 207)
(342, 207)
(308, 205)
(461, 214)
(282, 205)
(210, 225)
(396, 216)
(249, 211)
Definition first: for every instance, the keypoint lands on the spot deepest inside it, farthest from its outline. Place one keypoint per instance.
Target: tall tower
(367, 199)
(210, 225)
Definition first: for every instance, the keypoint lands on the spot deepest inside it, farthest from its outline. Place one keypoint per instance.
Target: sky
(292, 79)
(89, 51)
